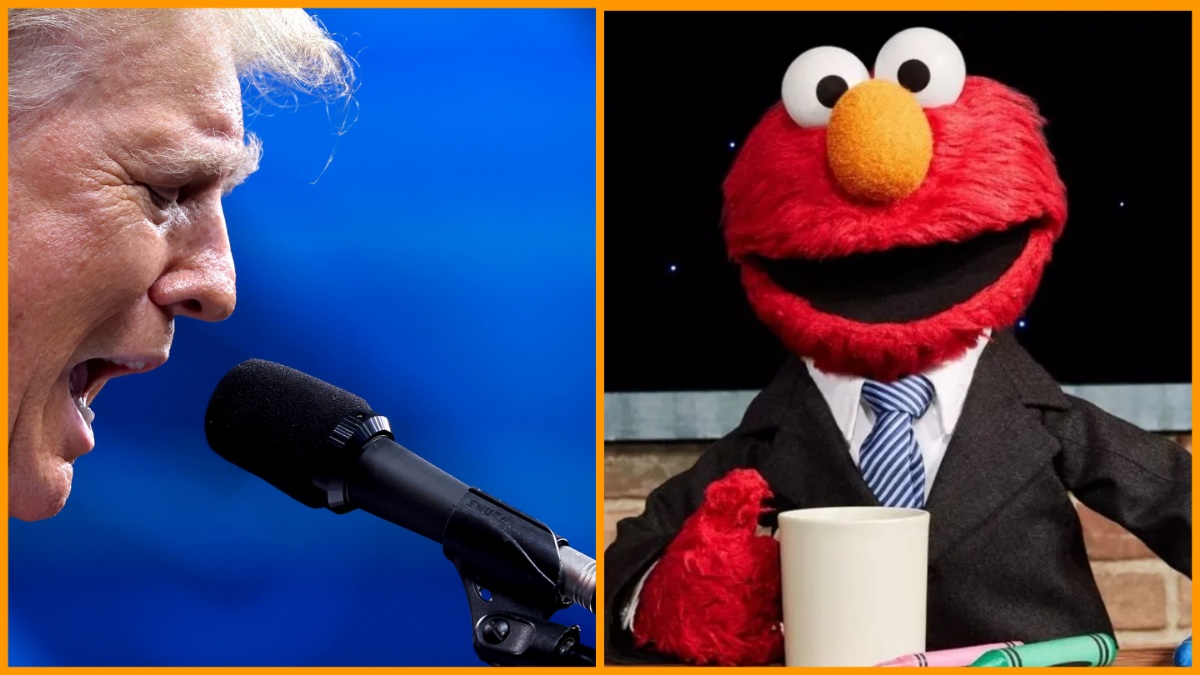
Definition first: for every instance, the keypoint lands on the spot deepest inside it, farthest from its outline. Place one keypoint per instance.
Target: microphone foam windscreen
(274, 422)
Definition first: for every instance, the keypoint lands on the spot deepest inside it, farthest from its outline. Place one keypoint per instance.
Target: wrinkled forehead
(173, 64)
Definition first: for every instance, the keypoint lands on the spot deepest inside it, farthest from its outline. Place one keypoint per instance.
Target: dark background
(1115, 302)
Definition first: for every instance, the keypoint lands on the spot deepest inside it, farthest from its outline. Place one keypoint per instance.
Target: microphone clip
(510, 633)
(509, 564)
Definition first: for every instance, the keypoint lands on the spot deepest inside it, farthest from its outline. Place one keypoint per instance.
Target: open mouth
(901, 284)
(88, 377)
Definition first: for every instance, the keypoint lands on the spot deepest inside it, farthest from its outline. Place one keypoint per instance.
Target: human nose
(199, 281)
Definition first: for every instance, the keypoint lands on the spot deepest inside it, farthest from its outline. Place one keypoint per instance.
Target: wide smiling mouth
(901, 284)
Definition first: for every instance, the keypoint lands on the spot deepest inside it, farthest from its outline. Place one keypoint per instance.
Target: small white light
(1121, 204)
(732, 145)
(673, 268)
(1021, 323)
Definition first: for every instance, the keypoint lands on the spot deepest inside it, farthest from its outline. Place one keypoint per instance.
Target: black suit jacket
(1006, 552)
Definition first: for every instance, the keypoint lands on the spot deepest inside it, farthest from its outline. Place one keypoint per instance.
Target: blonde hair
(273, 49)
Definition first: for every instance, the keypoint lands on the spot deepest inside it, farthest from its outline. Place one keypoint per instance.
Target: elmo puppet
(890, 226)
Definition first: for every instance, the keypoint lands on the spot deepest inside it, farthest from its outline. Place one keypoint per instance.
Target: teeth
(85, 412)
(135, 365)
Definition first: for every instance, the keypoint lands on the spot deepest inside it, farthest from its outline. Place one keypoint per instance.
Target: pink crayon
(947, 658)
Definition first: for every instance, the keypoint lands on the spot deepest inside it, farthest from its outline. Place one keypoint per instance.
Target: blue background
(443, 268)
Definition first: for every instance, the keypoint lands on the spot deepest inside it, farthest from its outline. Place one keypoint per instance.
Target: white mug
(854, 581)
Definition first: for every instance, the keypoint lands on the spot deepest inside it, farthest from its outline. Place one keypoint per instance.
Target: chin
(37, 494)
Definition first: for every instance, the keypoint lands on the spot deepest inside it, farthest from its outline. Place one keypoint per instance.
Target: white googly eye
(925, 62)
(816, 80)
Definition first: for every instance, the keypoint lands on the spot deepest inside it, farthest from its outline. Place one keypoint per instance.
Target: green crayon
(1097, 649)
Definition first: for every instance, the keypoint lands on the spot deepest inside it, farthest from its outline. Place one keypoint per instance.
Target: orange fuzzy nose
(878, 141)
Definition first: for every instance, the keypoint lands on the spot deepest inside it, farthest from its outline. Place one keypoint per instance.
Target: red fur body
(714, 596)
(990, 170)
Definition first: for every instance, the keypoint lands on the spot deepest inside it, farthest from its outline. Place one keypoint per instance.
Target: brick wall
(1150, 604)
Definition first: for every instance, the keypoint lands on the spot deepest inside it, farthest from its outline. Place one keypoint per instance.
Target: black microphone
(327, 448)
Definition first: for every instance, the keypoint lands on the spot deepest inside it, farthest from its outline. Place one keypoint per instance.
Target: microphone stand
(509, 563)
(510, 567)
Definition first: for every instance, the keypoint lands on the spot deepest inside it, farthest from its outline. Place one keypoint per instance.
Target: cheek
(75, 264)
(781, 169)
(89, 247)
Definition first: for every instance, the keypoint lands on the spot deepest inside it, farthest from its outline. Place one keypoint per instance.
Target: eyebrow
(229, 158)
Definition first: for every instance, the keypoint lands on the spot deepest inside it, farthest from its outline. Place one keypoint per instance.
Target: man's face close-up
(115, 228)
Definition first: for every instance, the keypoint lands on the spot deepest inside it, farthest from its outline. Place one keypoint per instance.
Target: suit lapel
(997, 446)
(809, 464)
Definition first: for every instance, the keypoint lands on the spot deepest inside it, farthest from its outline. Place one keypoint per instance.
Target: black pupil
(913, 75)
(830, 89)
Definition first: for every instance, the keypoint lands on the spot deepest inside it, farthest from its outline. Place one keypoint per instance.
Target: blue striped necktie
(890, 460)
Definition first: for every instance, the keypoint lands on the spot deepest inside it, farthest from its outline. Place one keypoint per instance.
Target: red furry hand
(714, 597)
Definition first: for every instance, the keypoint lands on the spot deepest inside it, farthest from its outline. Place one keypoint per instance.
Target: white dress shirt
(854, 417)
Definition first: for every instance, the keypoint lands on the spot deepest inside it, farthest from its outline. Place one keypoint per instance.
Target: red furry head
(884, 285)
